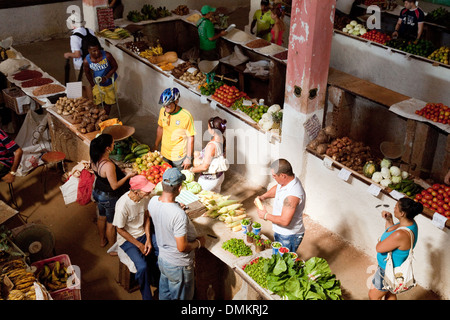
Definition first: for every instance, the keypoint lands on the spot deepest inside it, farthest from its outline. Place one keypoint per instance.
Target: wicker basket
(10, 96)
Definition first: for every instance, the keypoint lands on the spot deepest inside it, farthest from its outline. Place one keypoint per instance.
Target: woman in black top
(110, 184)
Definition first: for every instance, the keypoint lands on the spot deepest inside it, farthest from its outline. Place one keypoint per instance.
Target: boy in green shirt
(263, 21)
(207, 35)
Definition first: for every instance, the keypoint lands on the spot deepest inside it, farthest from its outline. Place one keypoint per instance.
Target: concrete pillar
(90, 12)
(309, 48)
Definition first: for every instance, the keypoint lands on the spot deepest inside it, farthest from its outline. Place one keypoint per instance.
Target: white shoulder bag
(401, 278)
(219, 163)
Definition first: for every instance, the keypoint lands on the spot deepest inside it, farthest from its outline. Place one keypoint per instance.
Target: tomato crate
(73, 289)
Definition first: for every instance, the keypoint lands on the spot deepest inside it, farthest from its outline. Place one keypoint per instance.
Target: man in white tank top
(289, 202)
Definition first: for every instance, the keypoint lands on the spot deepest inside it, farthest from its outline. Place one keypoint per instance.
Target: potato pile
(349, 153)
(67, 106)
(194, 78)
(89, 119)
(83, 112)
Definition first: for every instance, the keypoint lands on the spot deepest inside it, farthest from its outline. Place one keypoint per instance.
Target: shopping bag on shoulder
(401, 278)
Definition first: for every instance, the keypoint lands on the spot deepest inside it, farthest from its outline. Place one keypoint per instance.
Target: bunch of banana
(16, 295)
(152, 51)
(12, 265)
(54, 278)
(118, 33)
(137, 151)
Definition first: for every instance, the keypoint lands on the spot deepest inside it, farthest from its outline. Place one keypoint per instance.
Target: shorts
(378, 278)
(175, 164)
(106, 204)
(105, 94)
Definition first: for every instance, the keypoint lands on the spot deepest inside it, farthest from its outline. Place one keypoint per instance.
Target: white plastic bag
(69, 190)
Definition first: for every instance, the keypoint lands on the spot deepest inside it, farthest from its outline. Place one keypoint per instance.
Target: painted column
(90, 12)
(311, 32)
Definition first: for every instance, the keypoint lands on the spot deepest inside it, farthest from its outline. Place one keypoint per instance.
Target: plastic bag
(69, 190)
(85, 185)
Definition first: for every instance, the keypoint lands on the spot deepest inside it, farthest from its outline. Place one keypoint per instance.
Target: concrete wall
(411, 77)
(347, 209)
(35, 23)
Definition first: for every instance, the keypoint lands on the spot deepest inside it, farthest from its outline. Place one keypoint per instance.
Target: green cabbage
(159, 188)
(193, 187)
(189, 175)
(385, 163)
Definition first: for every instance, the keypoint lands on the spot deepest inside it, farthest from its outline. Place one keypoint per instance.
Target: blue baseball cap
(173, 177)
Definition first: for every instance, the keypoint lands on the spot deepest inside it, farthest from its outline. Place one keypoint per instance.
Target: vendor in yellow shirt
(263, 21)
(175, 131)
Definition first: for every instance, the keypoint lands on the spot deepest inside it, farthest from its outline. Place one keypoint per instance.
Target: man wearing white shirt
(289, 202)
(76, 45)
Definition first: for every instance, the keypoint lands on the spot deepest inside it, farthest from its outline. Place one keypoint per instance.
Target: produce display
(258, 43)
(440, 55)
(116, 34)
(54, 277)
(255, 269)
(36, 82)
(227, 95)
(180, 69)
(181, 10)
(208, 89)
(439, 16)
(23, 280)
(281, 55)
(436, 112)
(352, 154)
(272, 118)
(123, 149)
(136, 46)
(341, 21)
(376, 36)
(194, 78)
(83, 113)
(420, 47)
(237, 247)
(254, 110)
(298, 280)
(220, 207)
(48, 89)
(148, 12)
(354, 28)
(27, 75)
(152, 51)
(436, 198)
(67, 106)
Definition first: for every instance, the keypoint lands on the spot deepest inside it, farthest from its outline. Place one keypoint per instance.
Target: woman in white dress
(216, 147)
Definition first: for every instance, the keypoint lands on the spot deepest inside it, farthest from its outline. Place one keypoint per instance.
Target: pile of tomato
(436, 197)
(376, 36)
(154, 174)
(227, 95)
(436, 112)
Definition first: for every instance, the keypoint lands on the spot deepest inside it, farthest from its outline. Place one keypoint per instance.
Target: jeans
(147, 270)
(106, 204)
(176, 282)
(378, 279)
(291, 241)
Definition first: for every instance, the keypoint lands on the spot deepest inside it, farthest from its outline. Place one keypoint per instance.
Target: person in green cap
(207, 35)
(263, 21)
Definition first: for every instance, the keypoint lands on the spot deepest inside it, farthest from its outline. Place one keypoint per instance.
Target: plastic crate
(10, 96)
(72, 292)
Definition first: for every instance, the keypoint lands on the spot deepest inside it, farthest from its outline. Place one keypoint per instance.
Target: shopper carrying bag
(394, 251)
(400, 279)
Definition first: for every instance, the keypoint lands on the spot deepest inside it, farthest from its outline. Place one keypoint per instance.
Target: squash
(168, 57)
(369, 169)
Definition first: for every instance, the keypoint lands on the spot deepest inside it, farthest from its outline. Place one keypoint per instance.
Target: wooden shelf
(426, 212)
